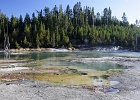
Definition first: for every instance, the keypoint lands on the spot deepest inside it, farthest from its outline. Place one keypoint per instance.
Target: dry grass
(61, 79)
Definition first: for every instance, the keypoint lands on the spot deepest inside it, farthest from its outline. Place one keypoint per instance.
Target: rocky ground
(129, 86)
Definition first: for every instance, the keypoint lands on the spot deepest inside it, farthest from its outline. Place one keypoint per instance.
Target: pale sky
(21, 7)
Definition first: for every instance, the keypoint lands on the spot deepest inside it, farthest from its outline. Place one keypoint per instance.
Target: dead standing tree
(6, 40)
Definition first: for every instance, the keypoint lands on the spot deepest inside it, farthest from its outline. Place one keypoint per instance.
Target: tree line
(67, 28)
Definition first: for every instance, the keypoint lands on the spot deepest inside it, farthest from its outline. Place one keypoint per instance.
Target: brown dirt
(11, 77)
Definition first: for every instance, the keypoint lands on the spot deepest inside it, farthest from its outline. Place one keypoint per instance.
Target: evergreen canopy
(69, 27)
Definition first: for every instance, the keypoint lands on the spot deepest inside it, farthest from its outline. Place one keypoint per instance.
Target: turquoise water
(44, 55)
(49, 59)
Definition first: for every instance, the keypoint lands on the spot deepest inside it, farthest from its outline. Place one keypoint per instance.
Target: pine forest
(68, 27)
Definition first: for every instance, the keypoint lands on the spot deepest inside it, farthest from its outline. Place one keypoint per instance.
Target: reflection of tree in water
(38, 56)
(6, 55)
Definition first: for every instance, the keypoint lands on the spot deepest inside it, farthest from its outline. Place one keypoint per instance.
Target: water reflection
(103, 81)
(103, 84)
(63, 59)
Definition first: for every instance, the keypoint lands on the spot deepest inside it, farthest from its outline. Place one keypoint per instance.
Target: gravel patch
(129, 87)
